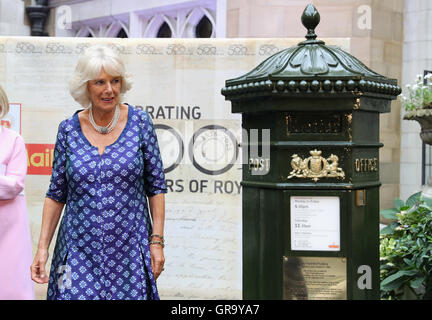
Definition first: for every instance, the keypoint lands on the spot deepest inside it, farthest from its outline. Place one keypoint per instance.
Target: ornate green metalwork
(323, 107)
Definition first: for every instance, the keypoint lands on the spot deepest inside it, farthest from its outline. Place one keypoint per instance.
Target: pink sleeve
(13, 182)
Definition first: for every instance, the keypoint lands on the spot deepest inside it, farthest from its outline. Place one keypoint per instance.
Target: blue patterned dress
(102, 250)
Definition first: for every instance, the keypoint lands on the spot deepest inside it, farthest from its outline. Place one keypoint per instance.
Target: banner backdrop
(178, 81)
(13, 119)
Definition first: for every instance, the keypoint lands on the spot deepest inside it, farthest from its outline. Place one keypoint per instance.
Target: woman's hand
(37, 269)
(157, 259)
(50, 216)
(157, 211)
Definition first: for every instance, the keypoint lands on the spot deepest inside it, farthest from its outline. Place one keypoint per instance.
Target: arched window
(204, 28)
(199, 23)
(164, 31)
(122, 34)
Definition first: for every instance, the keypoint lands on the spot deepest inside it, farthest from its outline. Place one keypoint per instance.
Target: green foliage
(418, 96)
(406, 249)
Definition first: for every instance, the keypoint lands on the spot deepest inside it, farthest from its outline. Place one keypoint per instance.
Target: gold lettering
(357, 165)
(267, 164)
(366, 165)
(260, 164)
(250, 164)
(369, 165)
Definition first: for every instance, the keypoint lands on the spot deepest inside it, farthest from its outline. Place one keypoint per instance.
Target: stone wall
(13, 20)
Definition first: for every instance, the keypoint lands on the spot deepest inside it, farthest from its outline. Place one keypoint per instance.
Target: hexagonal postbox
(311, 222)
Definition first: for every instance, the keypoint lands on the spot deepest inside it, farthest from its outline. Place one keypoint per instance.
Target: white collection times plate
(315, 223)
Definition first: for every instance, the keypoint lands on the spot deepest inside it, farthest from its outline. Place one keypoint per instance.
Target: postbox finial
(310, 19)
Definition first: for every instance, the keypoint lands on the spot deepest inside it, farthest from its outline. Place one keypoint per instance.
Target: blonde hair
(90, 65)
(4, 103)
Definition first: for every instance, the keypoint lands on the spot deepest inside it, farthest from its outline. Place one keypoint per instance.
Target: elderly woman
(106, 162)
(15, 243)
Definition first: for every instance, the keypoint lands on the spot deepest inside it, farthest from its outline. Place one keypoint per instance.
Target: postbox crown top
(311, 67)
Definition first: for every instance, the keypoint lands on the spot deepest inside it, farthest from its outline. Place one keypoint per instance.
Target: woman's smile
(107, 100)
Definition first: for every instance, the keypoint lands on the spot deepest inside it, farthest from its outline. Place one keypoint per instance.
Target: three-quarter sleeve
(13, 182)
(154, 177)
(58, 184)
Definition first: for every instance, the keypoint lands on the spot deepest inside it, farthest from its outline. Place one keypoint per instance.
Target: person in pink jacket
(15, 243)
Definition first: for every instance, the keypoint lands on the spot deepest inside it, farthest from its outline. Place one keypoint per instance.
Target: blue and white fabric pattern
(102, 250)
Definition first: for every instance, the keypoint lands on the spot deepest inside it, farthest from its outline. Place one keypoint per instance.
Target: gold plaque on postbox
(314, 278)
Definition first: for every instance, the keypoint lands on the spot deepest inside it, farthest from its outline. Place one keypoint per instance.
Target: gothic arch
(156, 22)
(192, 20)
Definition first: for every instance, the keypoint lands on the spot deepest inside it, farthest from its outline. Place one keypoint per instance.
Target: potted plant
(417, 101)
(406, 250)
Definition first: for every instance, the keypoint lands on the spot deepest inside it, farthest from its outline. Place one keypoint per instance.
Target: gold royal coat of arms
(316, 167)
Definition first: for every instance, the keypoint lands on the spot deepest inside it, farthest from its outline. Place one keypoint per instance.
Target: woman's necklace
(110, 126)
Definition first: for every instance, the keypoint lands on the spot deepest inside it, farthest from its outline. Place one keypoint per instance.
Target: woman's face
(104, 91)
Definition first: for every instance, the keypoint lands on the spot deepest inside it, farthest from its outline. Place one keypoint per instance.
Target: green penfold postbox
(311, 203)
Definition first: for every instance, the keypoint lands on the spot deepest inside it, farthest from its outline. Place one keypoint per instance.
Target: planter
(424, 117)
